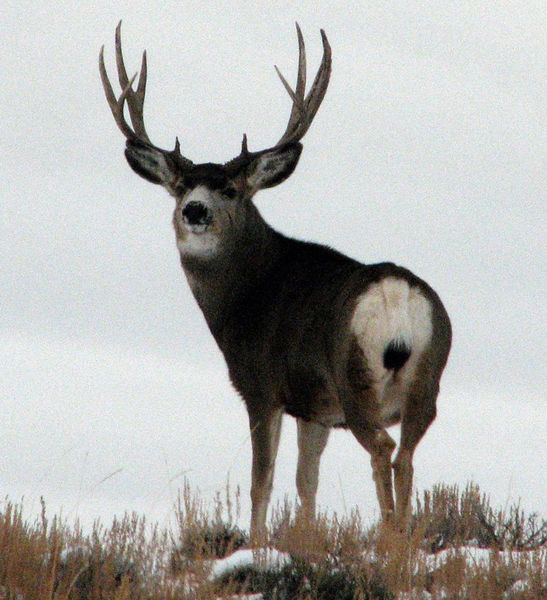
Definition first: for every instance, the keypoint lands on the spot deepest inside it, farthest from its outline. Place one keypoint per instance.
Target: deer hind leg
(382, 449)
(265, 433)
(419, 413)
(378, 443)
(312, 439)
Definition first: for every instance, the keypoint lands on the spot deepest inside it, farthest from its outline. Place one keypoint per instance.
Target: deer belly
(321, 410)
(310, 397)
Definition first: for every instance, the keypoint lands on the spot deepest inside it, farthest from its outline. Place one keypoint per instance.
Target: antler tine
(298, 108)
(321, 81)
(135, 100)
(116, 106)
(304, 107)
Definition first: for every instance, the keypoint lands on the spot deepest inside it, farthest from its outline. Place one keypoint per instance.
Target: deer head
(213, 199)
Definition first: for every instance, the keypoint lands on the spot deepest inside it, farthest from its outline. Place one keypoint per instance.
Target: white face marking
(199, 194)
(196, 239)
(197, 229)
(197, 244)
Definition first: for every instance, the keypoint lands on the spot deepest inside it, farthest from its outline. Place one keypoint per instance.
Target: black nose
(196, 213)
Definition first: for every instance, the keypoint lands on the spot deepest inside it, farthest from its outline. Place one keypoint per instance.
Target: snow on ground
(271, 558)
(472, 554)
(265, 558)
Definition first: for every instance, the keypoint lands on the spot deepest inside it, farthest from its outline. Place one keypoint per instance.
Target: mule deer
(304, 329)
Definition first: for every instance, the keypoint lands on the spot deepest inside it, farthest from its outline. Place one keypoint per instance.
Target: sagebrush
(329, 558)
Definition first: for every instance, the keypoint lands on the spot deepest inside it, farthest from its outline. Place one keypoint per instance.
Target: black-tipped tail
(396, 354)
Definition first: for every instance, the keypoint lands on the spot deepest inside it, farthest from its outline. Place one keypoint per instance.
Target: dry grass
(328, 559)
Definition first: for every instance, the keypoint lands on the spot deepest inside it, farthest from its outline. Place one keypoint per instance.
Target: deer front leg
(312, 439)
(265, 432)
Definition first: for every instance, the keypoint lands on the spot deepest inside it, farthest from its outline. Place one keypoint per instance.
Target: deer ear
(273, 166)
(149, 162)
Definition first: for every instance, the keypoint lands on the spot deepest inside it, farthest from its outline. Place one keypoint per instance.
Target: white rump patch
(391, 310)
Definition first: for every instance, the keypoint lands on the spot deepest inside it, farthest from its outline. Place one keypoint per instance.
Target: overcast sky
(429, 151)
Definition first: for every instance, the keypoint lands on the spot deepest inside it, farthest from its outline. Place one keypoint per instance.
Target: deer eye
(229, 192)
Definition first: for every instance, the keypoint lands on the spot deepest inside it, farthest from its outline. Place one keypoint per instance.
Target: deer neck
(220, 282)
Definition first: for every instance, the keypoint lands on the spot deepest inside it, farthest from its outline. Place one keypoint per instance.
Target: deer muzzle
(196, 216)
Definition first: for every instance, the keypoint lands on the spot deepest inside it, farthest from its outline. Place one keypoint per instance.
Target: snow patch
(264, 558)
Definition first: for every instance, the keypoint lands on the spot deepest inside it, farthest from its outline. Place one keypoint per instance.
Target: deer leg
(378, 443)
(382, 446)
(403, 474)
(265, 432)
(419, 412)
(312, 439)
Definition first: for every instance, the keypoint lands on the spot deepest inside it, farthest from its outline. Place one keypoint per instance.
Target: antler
(304, 108)
(134, 100)
(303, 111)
